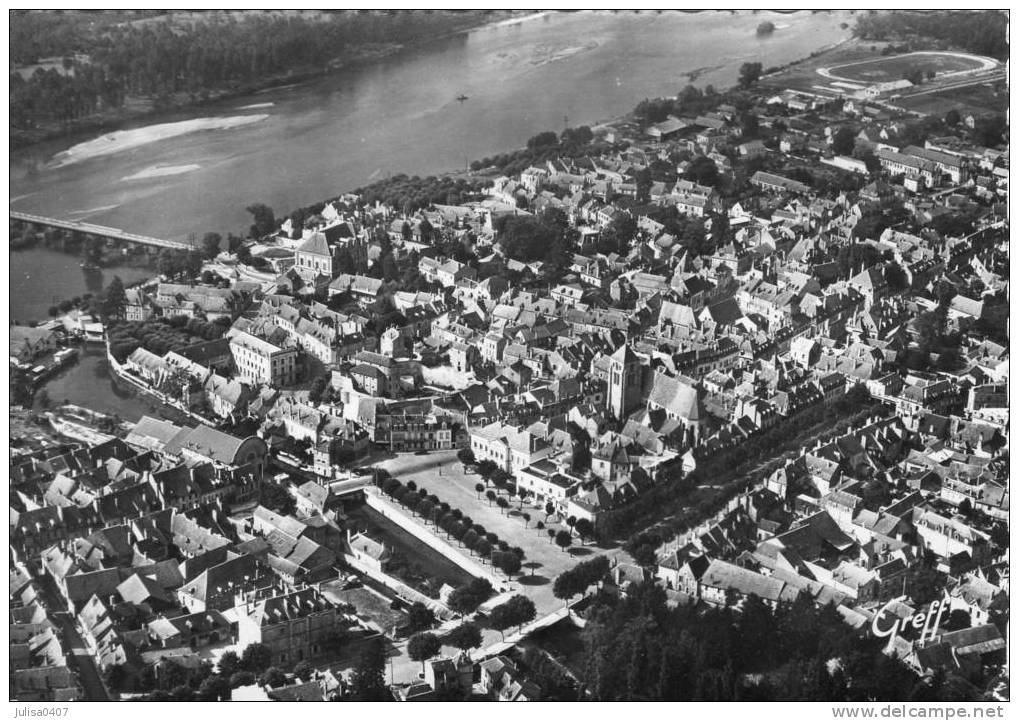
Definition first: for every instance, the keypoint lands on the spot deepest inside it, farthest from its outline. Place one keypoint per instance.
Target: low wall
(402, 518)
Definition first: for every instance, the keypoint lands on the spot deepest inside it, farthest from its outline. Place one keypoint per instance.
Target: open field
(857, 63)
(803, 75)
(977, 98)
(896, 67)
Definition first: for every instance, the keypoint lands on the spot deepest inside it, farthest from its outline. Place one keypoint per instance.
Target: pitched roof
(676, 397)
(315, 244)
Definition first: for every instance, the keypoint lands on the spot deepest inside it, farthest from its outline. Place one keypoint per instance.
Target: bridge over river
(100, 231)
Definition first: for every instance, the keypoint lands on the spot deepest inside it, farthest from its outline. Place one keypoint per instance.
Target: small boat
(461, 97)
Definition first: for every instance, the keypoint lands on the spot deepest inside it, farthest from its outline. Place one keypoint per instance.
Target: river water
(90, 383)
(197, 171)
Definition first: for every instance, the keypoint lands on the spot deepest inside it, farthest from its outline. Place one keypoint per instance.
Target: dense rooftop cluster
(764, 345)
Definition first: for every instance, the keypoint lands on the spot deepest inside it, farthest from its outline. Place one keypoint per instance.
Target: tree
(211, 245)
(551, 535)
(509, 563)
(256, 658)
(584, 529)
(115, 299)
(749, 73)
(564, 540)
(502, 503)
(243, 253)
(526, 517)
(466, 598)
(465, 636)
(549, 509)
(229, 664)
(367, 680)
(844, 141)
(304, 670)
(273, 677)
(485, 469)
(276, 498)
(566, 587)
(264, 220)
(242, 678)
(423, 646)
(501, 618)
(702, 170)
(490, 495)
(618, 234)
(517, 611)
(182, 693)
(390, 268)
(470, 539)
(896, 277)
(479, 488)
(420, 616)
(483, 547)
(425, 229)
(542, 140)
(466, 456)
(521, 494)
(500, 478)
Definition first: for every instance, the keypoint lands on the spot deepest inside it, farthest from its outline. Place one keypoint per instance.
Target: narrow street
(80, 660)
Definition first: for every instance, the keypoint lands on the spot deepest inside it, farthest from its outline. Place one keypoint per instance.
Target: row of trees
(571, 143)
(454, 523)
(735, 469)
(412, 193)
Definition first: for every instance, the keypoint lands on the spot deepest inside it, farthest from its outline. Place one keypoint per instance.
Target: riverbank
(90, 383)
(137, 109)
(626, 126)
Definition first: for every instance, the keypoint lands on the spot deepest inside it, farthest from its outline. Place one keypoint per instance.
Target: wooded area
(105, 58)
(985, 33)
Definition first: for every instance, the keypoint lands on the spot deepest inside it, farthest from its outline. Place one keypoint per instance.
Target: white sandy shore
(256, 106)
(122, 140)
(517, 21)
(93, 211)
(161, 171)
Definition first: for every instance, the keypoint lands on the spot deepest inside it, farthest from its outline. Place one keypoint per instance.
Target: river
(197, 171)
(288, 147)
(41, 277)
(91, 384)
